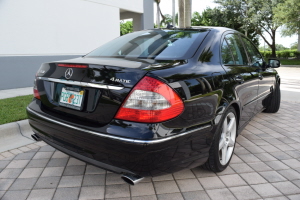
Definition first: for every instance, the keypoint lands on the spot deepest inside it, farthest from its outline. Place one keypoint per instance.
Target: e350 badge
(119, 80)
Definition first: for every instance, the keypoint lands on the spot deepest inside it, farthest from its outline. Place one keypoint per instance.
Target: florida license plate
(71, 98)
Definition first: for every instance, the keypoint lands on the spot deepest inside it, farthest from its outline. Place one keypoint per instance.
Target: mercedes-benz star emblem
(69, 73)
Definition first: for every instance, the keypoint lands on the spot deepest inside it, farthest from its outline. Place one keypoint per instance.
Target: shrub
(285, 54)
(292, 54)
(279, 54)
(268, 54)
(297, 54)
(282, 54)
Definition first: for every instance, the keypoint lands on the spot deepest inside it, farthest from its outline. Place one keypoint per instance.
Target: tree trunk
(272, 44)
(298, 40)
(158, 16)
(181, 14)
(273, 47)
(187, 13)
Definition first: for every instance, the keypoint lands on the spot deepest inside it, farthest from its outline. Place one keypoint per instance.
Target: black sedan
(155, 101)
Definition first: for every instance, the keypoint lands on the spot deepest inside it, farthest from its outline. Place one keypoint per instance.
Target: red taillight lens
(72, 65)
(36, 94)
(151, 101)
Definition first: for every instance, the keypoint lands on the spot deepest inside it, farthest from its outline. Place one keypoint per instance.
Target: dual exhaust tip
(131, 179)
(36, 137)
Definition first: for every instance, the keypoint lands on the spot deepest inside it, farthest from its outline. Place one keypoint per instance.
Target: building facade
(37, 31)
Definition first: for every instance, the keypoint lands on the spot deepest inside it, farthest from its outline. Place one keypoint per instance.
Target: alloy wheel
(227, 139)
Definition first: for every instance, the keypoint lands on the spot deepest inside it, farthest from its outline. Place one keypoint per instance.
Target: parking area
(266, 165)
(290, 83)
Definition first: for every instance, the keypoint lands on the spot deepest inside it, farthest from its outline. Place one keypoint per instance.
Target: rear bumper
(120, 154)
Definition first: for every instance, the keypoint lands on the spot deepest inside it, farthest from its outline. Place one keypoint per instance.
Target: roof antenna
(169, 25)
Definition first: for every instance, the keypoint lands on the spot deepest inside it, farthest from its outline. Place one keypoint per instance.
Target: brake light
(72, 65)
(151, 101)
(36, 93)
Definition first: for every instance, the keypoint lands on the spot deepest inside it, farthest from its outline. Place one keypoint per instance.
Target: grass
(14, 109)
(289, 62)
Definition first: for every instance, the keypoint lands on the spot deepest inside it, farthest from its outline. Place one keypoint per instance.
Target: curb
(14, 135)
(10, 93)
(291, 66)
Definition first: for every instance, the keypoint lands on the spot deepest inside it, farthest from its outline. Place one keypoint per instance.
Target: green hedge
(266, 54)
(282, 54)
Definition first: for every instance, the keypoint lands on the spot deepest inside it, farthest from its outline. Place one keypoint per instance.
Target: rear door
(236, 63)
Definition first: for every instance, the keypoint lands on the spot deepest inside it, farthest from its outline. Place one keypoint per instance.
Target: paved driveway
(290, 83)
(266, 164)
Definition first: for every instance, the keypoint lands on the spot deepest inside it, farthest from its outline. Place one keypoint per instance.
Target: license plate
(71, 98)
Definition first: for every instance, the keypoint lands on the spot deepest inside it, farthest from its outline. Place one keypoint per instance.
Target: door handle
(239, 79)
(260, 77)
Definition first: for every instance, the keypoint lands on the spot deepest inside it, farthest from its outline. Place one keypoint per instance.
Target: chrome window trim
(136, 141)
(82, 84)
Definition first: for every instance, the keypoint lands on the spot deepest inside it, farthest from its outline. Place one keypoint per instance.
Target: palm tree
(187, 12)
(158, 14)
(181, 14)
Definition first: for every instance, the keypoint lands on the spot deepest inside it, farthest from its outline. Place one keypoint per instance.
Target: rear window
(153, 44)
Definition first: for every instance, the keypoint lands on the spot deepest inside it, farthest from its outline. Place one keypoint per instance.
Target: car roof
(211, 28)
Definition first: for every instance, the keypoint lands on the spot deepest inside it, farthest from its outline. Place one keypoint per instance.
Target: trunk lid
(98, 90)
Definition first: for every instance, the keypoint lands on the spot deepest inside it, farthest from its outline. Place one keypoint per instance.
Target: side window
(237, 49)
(227, 58)
(254, 55)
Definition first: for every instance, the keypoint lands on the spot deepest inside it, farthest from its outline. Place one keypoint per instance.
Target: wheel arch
(237, 111)
(225, 105)
(277, 79)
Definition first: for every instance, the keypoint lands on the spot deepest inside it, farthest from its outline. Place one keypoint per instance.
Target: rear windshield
(153, 44)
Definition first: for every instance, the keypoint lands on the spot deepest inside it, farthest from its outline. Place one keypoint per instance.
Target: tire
(223, 143)
(273, 101)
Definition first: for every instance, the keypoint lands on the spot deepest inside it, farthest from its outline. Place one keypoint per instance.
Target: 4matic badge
(119, 80)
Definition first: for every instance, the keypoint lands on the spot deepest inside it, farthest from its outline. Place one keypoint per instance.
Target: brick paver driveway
(266, 165)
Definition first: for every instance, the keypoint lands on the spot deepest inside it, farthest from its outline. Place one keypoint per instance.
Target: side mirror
(274, 63)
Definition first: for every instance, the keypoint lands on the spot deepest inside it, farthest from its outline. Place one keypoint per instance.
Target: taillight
(36, 93)
(151, 101)
(72, 65)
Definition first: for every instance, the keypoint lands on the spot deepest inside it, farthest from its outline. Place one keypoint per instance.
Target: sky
(200, 5)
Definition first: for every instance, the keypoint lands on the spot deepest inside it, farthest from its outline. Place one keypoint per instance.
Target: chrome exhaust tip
(36, 137)
(131, 178)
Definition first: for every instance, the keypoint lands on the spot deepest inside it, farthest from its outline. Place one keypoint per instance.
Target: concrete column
(148, 16)
(173, 13)
(137, 22)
